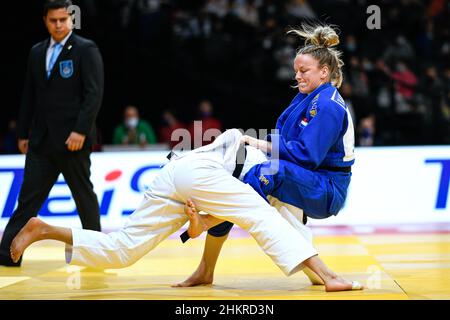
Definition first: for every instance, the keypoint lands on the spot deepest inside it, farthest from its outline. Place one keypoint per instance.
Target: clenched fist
(75, 141)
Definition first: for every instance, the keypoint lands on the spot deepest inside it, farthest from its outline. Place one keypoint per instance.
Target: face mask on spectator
(132, 122)
(367, 65)
(205, 114)
(351, 46)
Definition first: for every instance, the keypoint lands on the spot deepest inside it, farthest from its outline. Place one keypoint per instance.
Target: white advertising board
(390, 185)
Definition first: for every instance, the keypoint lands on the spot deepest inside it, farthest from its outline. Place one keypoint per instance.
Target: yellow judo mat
(391, 266)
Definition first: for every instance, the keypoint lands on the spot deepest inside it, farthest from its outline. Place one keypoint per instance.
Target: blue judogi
(315, 136)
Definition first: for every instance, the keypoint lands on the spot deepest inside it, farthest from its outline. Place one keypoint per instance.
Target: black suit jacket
(68, 100)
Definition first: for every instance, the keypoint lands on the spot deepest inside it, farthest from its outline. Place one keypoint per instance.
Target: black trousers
(42, 168)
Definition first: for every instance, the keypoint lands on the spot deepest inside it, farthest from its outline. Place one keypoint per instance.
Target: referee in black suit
(61, 98)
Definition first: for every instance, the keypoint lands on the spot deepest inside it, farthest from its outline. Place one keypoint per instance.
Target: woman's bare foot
(314, 278)
(339, 284)
(31, 232)
(332, 281)
(198, 278)
(196, 224)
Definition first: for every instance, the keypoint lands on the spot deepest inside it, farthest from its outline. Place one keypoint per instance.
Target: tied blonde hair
(319, 41)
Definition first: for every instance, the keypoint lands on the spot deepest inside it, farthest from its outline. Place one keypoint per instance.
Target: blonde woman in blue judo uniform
(313, 151)
(205, 175)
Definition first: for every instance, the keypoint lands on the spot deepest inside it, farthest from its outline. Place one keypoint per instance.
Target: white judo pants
(201, 177)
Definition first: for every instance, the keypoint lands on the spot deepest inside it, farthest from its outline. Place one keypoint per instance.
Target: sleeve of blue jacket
(311, 146)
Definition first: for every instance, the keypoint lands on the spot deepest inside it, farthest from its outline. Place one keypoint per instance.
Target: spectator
(351, 46)
(284, 55)
(347, 95)
(400, 50)
(134, 130)
(203, 132)
(405, 85)
(301, 9)
(217, 7)
(170, 124)
(358, 78)
(10, 139)
(366, 131)
(248, 13)
(433, 89)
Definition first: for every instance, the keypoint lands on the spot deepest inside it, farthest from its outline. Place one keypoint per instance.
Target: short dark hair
(56, 4)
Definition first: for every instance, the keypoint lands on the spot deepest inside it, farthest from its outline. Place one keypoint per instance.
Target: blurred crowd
(396, 79)
(136, 131)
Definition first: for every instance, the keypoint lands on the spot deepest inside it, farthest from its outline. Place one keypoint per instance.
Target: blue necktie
(57, 47)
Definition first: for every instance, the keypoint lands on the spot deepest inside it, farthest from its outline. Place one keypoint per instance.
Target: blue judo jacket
(313, 134)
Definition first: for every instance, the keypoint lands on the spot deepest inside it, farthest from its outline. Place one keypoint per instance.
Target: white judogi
(205, 176)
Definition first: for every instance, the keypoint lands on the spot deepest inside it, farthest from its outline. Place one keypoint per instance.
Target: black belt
(171, 154)
(241, 155)
(240, 159)
(336, 169)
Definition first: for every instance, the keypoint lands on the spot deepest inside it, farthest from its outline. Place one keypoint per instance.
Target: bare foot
(313, 277)
(198, 278)
(339, 284)
(196, 224)
(30, 233)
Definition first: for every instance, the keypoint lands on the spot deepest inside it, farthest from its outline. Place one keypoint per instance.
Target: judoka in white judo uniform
(203, 175)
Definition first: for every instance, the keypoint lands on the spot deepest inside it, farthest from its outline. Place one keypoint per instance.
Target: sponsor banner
(397, 185)
(119, 181)
(390, 185)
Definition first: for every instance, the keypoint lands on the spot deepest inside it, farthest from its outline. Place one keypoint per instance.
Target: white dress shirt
(51, 48)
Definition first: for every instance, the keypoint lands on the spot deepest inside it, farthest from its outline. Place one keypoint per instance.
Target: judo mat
(392, 264)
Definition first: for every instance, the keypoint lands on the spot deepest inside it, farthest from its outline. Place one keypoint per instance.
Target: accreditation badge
(66, 68)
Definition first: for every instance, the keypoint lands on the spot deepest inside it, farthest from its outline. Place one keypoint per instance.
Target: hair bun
(321, 36)
(324, 36)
